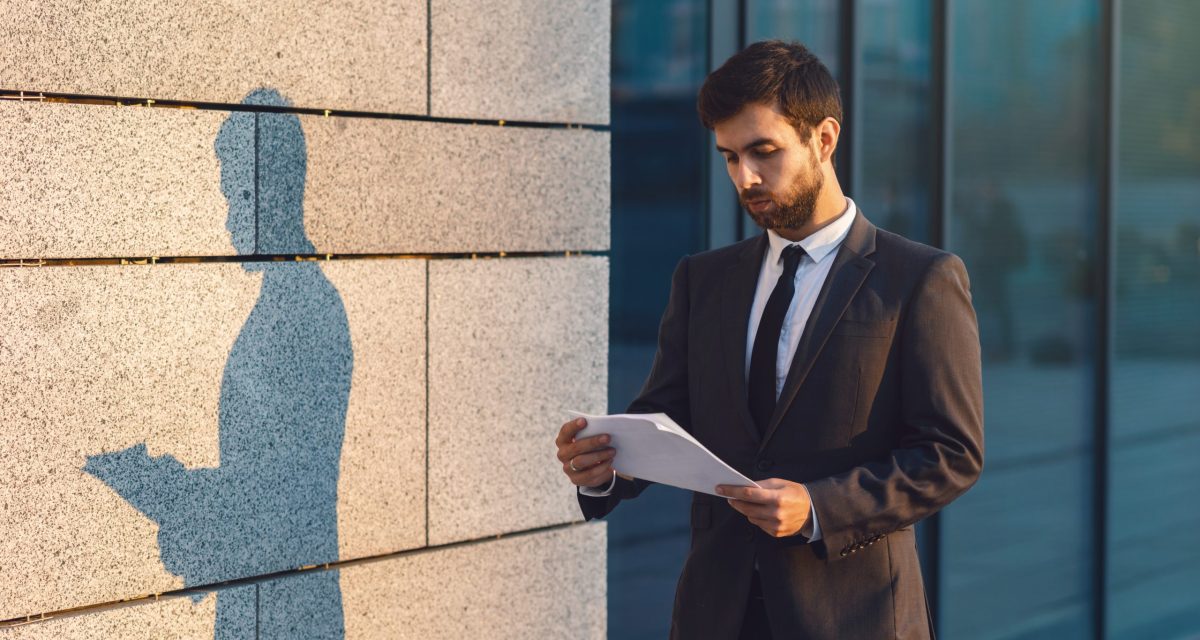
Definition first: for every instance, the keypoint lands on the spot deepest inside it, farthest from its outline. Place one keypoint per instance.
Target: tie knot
(791, 257)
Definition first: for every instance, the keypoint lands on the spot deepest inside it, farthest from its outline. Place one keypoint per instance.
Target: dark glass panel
(814, 23)
(1153, 561)
(1023, 193)
(659, 151)
(895, 129)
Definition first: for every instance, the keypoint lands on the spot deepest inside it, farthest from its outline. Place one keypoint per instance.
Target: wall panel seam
(15, 95)
(34, 618)
(28, 263)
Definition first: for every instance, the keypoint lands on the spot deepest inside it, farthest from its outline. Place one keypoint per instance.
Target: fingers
(753, 510)
(586, 445)
(566, 434)
(598, 476)
(569, 447)
(773, 528)
(748, 494)
(594, 469)
(780, 507)
(591, 459)
(587, 461)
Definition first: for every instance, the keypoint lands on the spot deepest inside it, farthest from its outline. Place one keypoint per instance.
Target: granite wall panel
(179, 425)
(94, 181)
(174, 426)
(544, 60)
(83, 181)
(399, 186)
(343, 54)
(514, 343)
(179, 616)
(548, 584)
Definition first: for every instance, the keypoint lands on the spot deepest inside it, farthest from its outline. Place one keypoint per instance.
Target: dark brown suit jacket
(881, 417)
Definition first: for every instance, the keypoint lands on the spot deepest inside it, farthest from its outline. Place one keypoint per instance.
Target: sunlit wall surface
(1153, 560)
(292, 301)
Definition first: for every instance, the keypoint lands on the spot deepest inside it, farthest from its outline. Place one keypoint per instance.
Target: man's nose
(746, 176)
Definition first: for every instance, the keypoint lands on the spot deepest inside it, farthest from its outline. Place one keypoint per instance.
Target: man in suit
(833, 362)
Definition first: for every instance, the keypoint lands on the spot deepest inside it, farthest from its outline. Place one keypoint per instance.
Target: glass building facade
(1055, 146)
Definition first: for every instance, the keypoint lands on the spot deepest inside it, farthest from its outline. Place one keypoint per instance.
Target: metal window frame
(726, 36)
(1110, 21)
(940, 151)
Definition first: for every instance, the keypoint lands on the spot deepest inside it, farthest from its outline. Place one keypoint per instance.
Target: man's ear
(827, 134)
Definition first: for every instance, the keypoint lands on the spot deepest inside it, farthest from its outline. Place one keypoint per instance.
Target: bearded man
(834, 363)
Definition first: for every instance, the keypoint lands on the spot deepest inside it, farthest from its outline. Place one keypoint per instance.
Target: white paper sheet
(652, 447)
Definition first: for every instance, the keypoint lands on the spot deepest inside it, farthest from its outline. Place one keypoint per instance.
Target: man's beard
(793, 209)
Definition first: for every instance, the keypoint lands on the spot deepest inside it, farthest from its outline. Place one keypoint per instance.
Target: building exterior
(295, 297)
(1055, 146)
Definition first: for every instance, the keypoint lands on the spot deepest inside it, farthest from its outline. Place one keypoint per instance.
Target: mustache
(755, 194)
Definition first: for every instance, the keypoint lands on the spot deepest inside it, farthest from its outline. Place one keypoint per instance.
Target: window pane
(813, 23)
(1023, 177)
(816, 25)
(1153, 561)
(659, 151)
(894, 78)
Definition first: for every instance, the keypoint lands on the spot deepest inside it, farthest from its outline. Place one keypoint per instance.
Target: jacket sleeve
(939, 453)
(665, 389)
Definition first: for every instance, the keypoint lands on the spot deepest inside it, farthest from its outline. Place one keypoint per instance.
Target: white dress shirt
(821, 248)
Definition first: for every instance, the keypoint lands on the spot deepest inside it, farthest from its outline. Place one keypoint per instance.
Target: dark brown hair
(772, 72)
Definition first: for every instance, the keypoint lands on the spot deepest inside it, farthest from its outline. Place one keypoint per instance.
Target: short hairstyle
(772, 72)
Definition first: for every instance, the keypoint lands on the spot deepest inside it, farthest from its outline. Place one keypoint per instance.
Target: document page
(652, 447)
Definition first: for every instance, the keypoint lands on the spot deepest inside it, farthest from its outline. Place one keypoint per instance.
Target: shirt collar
(821, 243)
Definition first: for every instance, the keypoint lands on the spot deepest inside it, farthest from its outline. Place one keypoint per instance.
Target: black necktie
(766, 341)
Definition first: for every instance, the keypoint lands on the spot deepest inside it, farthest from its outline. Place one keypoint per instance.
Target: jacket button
(763, 465)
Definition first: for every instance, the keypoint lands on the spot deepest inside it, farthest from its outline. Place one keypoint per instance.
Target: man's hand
(781, 508)
(590, 456)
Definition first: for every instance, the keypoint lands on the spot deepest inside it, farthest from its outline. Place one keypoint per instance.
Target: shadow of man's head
(264, 162)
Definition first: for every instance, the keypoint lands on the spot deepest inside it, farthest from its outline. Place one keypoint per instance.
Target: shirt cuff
(816, 534)
(593, 492)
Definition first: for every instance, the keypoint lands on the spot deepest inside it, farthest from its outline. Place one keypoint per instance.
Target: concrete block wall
(294, 298)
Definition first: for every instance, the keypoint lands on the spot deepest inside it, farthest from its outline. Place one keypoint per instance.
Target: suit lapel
(846, 276)
(737, 296)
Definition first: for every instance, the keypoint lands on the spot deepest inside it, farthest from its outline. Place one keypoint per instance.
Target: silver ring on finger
(571, 463)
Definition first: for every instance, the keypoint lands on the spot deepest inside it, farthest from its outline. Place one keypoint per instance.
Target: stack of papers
(652, 447)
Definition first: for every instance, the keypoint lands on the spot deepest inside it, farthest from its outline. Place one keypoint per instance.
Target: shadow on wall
(271, 505)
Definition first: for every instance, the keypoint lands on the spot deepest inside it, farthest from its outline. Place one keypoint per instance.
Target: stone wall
(294, 299)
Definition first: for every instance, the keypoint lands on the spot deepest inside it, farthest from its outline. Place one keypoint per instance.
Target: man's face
(777, 176)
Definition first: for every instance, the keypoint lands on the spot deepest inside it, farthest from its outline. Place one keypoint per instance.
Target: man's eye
(730, 159)
(762, 153)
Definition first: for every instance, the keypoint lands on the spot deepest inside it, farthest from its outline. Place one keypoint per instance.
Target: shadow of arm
(149, 484)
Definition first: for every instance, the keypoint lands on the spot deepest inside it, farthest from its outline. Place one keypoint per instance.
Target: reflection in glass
(659, 150)
(1153, 562)
(1023, 211)
(893, 76)
(813, 23)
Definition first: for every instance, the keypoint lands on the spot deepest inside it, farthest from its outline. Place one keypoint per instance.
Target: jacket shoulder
(911, 256)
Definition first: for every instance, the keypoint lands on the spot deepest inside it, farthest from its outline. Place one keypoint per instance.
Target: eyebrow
(756, 143)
